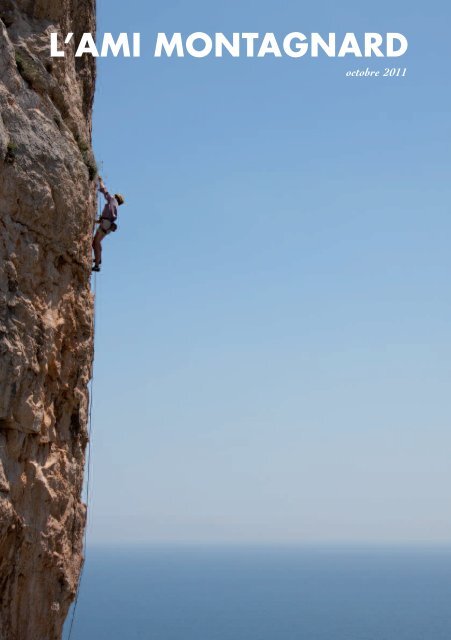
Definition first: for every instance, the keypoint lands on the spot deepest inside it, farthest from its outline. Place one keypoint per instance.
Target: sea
(264, 593)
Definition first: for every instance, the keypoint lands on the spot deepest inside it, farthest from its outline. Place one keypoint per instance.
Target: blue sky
(273, 342)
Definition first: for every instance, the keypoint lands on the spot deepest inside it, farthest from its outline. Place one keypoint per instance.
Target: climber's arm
(103, 190)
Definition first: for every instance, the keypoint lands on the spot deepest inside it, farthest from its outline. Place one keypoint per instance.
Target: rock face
(47, 208)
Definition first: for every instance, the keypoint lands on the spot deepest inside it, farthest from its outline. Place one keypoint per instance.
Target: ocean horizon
(264, 592)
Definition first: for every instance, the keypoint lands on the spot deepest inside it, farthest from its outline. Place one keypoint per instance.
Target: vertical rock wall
(47, 206)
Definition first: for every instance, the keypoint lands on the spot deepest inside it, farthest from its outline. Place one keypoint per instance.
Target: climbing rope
(89, 453)
(88, 472)
(91, 397)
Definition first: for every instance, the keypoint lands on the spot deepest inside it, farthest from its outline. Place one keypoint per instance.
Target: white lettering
(54, 51)
(350, 45)
(232, 47)
(391, 37)
(136, 45)
(110, 43)
(169, 46)
(199, 53)
(269, 45)
(327, 47)
(87, 45)
(300, 48)
(250, 39)
(373, 42)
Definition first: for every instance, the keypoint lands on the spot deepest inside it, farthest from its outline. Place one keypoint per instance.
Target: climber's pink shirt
(110, 209)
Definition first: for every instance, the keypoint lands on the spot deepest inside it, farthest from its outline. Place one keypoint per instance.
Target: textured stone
(47, 208)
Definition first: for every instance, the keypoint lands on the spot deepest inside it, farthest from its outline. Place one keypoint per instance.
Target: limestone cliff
(47, 206)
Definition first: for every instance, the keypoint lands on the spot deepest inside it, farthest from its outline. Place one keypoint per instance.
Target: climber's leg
(97, 246)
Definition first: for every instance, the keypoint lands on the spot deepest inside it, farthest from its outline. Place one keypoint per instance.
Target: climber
(107, 222)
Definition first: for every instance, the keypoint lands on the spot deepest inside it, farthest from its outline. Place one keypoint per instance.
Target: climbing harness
(107, 226)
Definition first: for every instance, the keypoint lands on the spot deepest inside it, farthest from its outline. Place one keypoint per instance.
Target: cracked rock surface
(47, 208)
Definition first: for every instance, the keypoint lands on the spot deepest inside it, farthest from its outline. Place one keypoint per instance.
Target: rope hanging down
(88, 457)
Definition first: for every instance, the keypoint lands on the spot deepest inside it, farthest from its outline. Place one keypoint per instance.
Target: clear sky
(273, 345)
